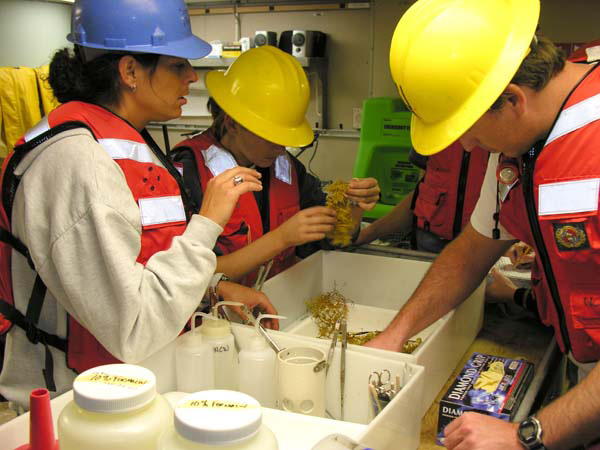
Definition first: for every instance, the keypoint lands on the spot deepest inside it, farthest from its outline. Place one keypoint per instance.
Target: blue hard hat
(141, 26)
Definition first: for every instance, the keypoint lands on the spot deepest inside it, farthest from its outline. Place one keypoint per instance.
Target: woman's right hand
(307, 225)
(221, 194)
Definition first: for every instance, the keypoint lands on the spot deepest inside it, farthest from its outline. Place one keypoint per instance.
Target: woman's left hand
(364, 192)
(251, 298)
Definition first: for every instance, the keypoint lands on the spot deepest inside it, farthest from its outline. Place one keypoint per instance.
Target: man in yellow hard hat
(475, 71)
(258, 107)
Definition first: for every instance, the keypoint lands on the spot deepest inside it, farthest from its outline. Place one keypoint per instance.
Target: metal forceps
(334, 338)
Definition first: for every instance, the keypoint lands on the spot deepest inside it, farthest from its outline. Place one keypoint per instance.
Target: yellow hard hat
(266, 91)
(451, 60)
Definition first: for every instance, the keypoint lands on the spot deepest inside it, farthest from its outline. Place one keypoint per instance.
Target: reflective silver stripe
(575, 117)
(568, 197)
(218, 160)
(38, 129)
(124, 149)
(157, 210)
(283, 169)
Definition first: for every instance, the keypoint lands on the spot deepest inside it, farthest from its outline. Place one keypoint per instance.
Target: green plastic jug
(383, 152)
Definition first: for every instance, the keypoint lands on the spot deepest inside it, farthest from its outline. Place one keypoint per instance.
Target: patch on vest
(570, 236)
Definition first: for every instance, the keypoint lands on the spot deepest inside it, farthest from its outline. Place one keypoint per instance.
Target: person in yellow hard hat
(258, 107)
(475, 71)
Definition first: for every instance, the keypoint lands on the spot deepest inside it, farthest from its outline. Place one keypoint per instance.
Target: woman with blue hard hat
(476, 71)
(107, 261)
(259, 106)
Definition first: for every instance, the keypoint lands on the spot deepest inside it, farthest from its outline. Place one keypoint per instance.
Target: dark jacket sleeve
(191, 178)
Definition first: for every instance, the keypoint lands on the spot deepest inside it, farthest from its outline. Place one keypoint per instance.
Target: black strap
(10, 181)
(34, 310)
(168, 164)
(17, 318)
(17, 244)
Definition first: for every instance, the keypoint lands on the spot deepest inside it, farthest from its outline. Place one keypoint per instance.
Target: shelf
(204, 63)
(323, 132)
(316, 70)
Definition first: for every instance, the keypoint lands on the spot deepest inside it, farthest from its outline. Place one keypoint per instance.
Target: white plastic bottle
(258, 364)
(217, 333)
(194, 361)
(218, 419)
(114, 407)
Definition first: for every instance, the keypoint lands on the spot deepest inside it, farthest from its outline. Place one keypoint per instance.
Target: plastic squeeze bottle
(194, 361)
(258, 364)
(217, 333)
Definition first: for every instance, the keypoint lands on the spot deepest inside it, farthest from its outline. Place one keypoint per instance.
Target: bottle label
(221, 348)
(216, 404)
(114, 380)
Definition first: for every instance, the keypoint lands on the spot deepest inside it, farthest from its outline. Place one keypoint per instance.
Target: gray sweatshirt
(76, 214)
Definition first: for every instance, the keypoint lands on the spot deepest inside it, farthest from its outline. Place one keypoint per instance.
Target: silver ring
(237, 180)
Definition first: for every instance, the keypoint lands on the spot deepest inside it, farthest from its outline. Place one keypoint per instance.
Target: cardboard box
(487, 384)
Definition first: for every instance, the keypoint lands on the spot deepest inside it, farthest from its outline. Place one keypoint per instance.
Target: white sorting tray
(379, 286)
(395, 427)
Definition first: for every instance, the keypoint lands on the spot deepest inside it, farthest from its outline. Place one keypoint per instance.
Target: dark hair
(96, 81)
(543, 62)
(218, 126)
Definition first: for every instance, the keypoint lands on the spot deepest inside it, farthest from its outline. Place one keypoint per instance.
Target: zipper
(528, 168)
(460, 195)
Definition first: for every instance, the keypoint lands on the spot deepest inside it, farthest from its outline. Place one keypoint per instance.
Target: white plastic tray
(383, 283)
(395, 427)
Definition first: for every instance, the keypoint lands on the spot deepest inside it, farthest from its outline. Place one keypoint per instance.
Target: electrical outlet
(356, 118)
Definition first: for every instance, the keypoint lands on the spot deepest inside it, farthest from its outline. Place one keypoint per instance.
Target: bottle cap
(217, 417)
(114, 388)
(257, 343)
(214, 327)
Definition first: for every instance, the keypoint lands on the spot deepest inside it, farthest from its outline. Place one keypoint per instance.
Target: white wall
(30, 31)
(358, 50)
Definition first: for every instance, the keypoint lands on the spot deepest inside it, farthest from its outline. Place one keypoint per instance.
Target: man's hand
(386, 341)
(474, 431)
(501, 289)
(251, 298)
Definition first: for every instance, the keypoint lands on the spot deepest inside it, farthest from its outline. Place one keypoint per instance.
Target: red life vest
(560, 202)
(153, 188)
(245, 224)
(450, 190)
(586, 53)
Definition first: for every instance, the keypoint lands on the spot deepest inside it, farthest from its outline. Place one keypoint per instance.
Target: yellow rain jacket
(25, 96)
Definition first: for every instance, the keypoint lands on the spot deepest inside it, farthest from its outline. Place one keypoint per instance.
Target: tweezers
(334, 338)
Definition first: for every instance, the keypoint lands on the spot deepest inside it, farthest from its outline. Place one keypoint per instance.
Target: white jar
(218, 419)
(194, 361)
(114, 407)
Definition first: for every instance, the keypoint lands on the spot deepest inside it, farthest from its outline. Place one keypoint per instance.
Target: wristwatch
(530, 434)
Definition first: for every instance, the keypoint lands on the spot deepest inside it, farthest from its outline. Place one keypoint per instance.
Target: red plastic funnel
(41, 426)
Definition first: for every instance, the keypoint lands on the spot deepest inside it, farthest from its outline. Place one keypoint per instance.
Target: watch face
(528, 431)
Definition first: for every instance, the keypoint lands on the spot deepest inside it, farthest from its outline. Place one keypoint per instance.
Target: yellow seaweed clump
(326, 309)
(336, 200)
